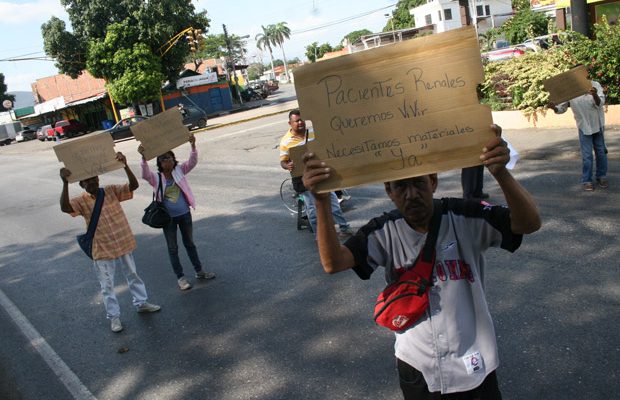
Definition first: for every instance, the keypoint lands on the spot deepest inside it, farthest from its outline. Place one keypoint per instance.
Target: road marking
(212, 139)
(56, 364)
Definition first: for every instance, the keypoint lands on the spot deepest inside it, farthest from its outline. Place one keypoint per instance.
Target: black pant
(472, 179)
(414, 387)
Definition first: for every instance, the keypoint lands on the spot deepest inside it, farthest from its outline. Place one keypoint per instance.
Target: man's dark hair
(294, 112)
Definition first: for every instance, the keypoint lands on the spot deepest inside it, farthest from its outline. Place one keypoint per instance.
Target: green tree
(255, 71)
(401, 17)
(353, 36)
(141, 32)
(264, 41)
(281, 32)
(524, 24)
(315, 51)
(214, 46)
(519, 5)
(3, 94)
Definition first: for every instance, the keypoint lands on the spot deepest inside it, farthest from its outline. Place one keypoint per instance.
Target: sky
(309, 20)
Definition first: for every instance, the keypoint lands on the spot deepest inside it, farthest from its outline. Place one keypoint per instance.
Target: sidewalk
(553, 137)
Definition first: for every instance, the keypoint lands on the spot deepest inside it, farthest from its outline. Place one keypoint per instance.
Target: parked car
(273, 85)
(70, 128)
(26, 134)
(542, 42)
(122, 129)
(193, 117)
(503, 54)
(46, 132)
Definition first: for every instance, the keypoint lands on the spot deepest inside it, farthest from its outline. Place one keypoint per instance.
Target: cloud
(30, 12)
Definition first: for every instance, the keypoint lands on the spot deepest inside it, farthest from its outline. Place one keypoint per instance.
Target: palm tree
(280, 33)
(264, 41)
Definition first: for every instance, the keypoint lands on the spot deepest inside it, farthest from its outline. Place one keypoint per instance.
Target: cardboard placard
(568, 85)
(161, 133)
(88, 156)
(396, 111)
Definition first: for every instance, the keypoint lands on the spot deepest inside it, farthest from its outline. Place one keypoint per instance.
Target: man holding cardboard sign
(589, 112)
(113, 242)
(452, 347)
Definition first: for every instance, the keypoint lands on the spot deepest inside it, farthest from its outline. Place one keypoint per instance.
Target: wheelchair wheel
(291, 198)
(288, 195)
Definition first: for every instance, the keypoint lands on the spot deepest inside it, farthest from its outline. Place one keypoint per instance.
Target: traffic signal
(198, 37)
(191, 39)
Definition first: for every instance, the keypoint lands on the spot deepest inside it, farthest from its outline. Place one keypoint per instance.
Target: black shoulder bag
(156, 215)
(85, 240)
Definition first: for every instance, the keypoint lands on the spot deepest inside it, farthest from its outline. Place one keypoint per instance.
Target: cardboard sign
(397, 111)
(568, 85)
(161, 133)
(88, 156)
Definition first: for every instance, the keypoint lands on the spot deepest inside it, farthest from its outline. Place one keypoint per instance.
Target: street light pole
(391, 17)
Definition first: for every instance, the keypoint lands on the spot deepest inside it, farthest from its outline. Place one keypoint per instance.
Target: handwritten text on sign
(88, 156)
(400, 110)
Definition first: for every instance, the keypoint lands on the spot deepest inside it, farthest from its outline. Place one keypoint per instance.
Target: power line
(340, 21)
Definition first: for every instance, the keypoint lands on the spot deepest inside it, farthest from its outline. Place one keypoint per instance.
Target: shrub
(520, 79)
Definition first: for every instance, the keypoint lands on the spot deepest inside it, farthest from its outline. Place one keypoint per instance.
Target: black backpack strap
(94, 218)
(428, 251)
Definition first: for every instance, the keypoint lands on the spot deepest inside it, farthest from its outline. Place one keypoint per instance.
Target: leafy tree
(401, 17)
(295, 60)
(255, 71)
(214, 46)
(519, 5)
(279, 33)
(277, 62)
(487, 39)
(264, 41)
(3, 94)
(525, 23)
(353, 36)
(314, 49)
(136, 70)
(141, 32)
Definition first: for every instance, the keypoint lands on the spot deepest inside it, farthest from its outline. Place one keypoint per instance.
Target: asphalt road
(272, 325)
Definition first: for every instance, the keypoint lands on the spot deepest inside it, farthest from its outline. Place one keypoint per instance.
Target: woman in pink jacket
(178, 198)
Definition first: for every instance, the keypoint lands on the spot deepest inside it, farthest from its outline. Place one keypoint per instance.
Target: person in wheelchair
(297, 135)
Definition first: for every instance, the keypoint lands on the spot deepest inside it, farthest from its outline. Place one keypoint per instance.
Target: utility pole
(232, 62)
(579, 16)
(391, 17)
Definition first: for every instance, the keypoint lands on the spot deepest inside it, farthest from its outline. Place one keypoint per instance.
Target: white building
(445, 15)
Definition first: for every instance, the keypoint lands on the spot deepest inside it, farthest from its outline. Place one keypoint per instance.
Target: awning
(88, 99)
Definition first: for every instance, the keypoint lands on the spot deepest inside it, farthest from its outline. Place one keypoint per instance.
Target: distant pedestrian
(589, 113)
(178, 198)
(113, 242)
(472, 180)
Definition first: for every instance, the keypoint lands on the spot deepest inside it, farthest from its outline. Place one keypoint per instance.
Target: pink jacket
(178, 174)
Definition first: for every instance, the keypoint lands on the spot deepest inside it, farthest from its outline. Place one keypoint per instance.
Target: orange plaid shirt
(113, 237)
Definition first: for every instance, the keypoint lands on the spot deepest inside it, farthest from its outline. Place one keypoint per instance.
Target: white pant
(105, 270)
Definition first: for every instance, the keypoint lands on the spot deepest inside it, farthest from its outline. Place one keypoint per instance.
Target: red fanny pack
(403, 302)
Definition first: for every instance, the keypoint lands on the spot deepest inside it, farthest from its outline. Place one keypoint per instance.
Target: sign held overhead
(568, 85)
(396, 111)
(88, 156)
